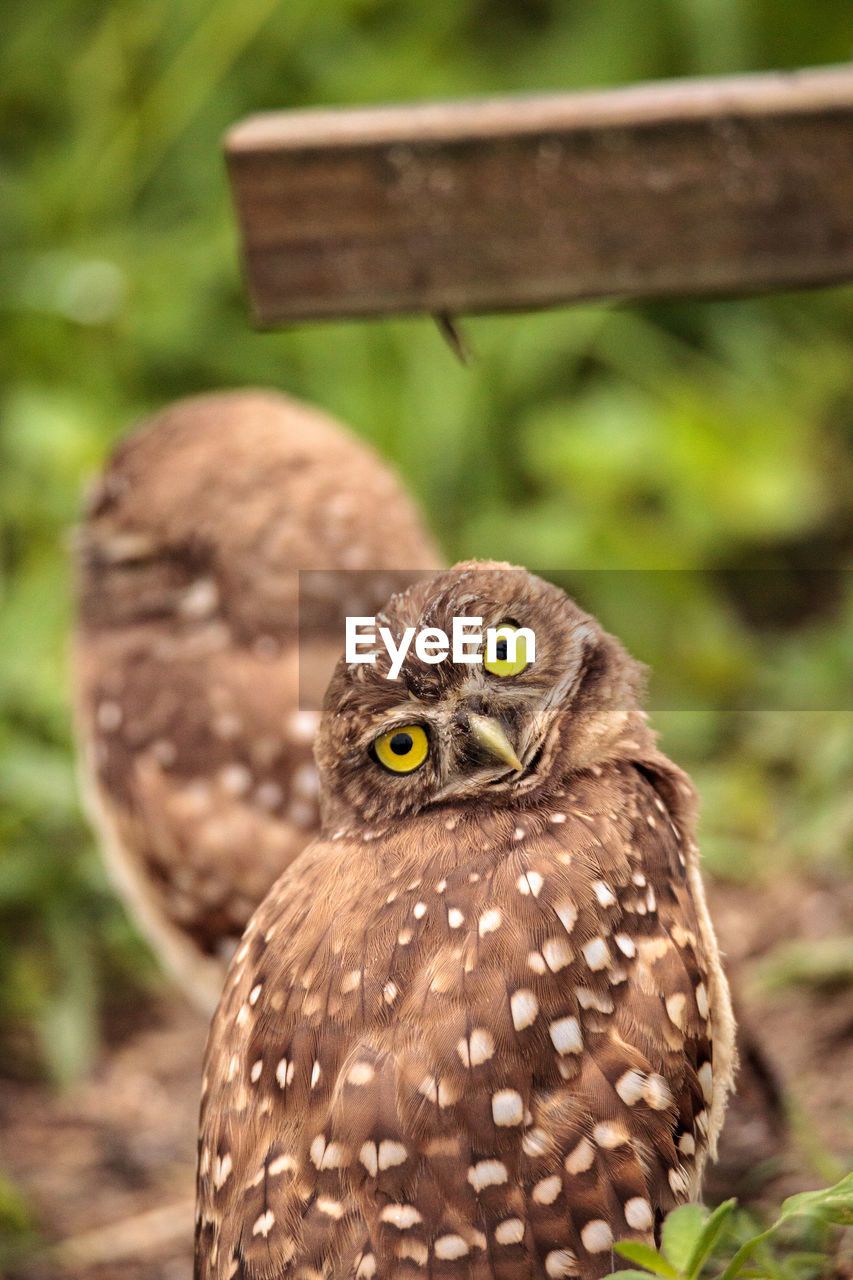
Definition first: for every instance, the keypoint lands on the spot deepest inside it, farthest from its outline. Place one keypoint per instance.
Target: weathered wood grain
(682, 187)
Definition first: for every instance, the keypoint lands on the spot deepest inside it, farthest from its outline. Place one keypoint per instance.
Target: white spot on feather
(559, 1263)
(535, 1143)
(565, 1035)
(331, 1208)
(588, 999)
(415, 1250)
(706, 1080)
(604, 894)
(335, 1156)
(302, 725)
(567, 913)
(487, 1173)
(581, 1157)
(596, 1236)
(675, 1008)
(630, 1086)
(401, 1216)
(546, 1191)
(530, 882)
(557, 953)
(235, 779)
(109, 716)
(524, 1007)
(507, 1107)
(609, 1134)
(221, 1170)
(449, 1247)
(638, 1214)
(657, 1093)
(391, 1153)
(360, 1073)
(478, 1048)
(490, 921)
(597, 954)
(510, 1231)
(625, 945)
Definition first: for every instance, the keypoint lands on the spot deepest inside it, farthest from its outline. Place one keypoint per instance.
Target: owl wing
(503, 1075)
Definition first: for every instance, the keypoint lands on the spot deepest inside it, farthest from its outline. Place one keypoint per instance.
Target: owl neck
(614, 737)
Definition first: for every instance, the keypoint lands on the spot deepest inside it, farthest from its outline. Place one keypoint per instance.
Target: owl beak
(490, 737)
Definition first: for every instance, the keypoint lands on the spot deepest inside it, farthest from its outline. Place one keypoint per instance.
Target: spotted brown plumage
(480, 1027)
(197, 754)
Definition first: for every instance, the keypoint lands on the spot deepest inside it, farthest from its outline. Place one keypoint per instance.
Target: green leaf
(743, 1255)
(629, 1275)
(646, 1256)
(681, 1232)
(708, 1237)
(830, 1204)
(16, 1214)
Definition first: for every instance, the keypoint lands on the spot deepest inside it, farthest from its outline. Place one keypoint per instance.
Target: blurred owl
(480, 1027)
(196, 746)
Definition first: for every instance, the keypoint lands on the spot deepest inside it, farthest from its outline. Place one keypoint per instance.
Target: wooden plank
(681, 187)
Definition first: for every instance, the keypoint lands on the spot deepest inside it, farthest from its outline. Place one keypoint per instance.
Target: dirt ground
(109, 1168)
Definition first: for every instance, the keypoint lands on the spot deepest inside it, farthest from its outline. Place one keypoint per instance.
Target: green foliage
(646, 453)
(18, 1229)
(692, 1237)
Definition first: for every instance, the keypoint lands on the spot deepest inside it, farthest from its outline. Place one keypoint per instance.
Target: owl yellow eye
(402, 750)
(498, 658)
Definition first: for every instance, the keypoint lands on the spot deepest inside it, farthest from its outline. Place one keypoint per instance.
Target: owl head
(206, 510)
(501, 730)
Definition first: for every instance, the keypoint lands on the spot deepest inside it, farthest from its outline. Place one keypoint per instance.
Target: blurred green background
(701, 436)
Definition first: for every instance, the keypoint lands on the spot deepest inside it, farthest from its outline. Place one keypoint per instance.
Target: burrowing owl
(198, 757)
(480, 1027)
